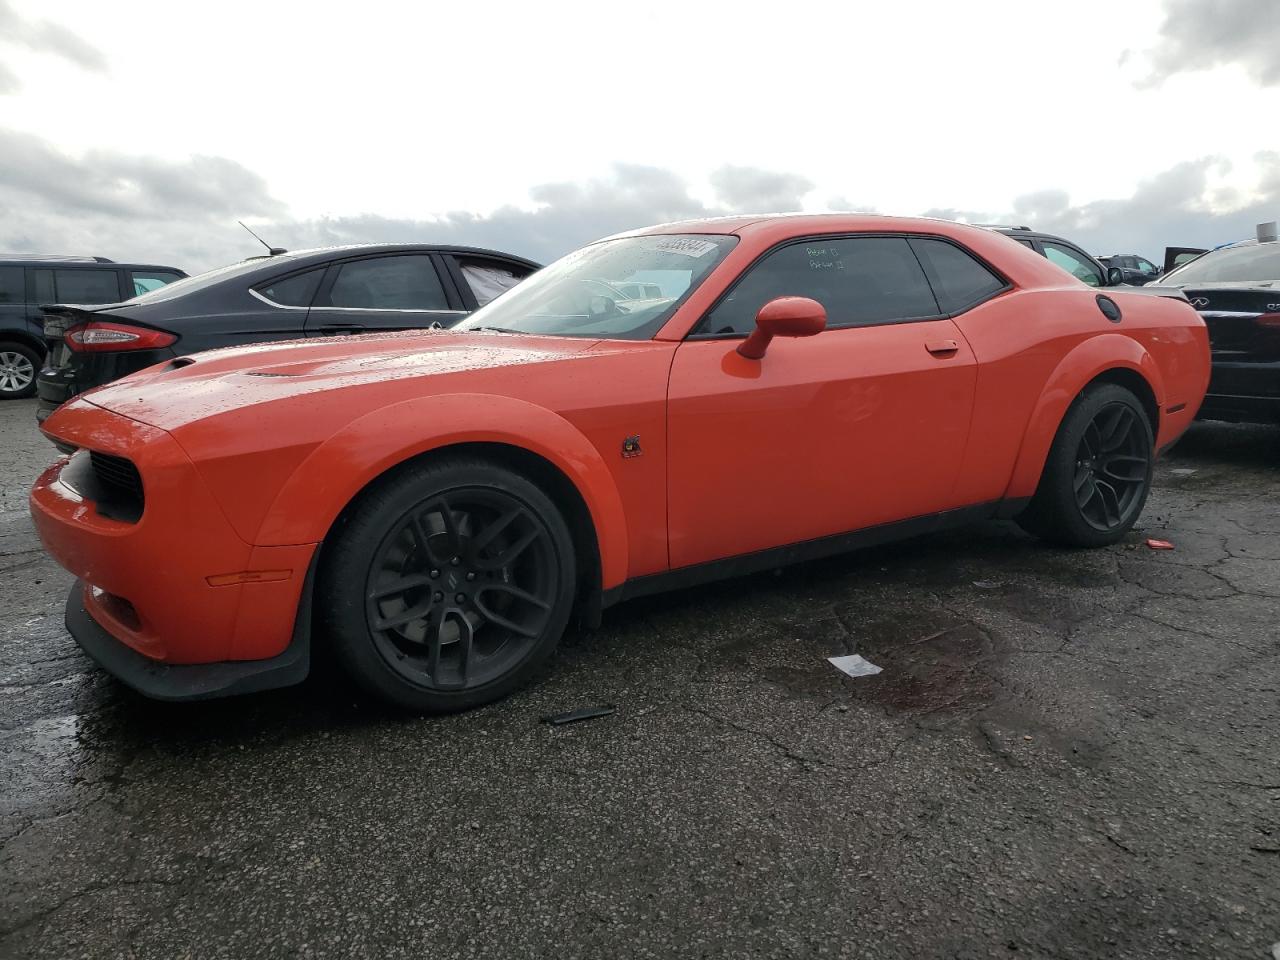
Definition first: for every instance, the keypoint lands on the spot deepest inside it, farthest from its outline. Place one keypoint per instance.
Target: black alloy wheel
(1097, 475)
(1113, 463)
(461, 588)
(447, 584)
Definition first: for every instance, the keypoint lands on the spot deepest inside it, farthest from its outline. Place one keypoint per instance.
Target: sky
(144, 130)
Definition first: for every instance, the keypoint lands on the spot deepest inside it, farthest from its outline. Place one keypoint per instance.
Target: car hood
(204, 385)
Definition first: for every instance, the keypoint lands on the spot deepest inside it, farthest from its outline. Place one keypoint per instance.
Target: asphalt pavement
(1067, 754)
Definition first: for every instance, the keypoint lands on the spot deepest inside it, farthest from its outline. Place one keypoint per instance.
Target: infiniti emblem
(1199, 302)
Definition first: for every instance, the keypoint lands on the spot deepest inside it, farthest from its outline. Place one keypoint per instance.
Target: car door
(863, 424)
(387, 292)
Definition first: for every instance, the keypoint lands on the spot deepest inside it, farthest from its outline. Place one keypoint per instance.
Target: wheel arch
(1110, 358)
(25, 339)
(522, 436)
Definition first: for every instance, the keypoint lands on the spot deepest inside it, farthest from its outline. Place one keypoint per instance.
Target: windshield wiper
(493, 330)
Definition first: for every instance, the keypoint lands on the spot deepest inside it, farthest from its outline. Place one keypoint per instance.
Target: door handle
(942, 348)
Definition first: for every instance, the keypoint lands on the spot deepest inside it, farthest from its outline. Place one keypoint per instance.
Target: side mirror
(1115, 277)
(783, 317)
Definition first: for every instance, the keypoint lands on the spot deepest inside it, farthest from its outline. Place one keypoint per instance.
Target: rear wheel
(447, 585)
(19, 365)
(1098, 472)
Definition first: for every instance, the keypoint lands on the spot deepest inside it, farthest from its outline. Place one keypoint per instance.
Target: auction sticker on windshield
(686, 246)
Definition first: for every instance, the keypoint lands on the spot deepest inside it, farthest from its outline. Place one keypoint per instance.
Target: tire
(19, 367)
(447, 585)
(1098, 472)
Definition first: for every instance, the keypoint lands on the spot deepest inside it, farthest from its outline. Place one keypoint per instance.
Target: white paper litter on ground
(854, 665)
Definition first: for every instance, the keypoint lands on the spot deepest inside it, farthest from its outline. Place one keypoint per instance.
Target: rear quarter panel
(1037, 349)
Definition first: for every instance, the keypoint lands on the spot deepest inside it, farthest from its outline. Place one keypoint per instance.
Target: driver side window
(860, 281)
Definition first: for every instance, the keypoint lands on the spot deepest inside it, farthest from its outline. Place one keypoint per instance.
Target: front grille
(120, 494)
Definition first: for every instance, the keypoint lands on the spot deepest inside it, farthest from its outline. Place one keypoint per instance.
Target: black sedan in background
(336, 290)
(1236, 288)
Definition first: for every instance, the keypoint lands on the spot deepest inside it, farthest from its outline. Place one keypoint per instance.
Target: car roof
(314, 253)
(79, 262)
(745, 224)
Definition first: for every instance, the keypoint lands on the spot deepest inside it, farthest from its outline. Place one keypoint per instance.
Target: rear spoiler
(60, 317)
(1153, 290)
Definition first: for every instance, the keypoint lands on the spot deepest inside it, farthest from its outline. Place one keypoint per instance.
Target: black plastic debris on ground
(584, 713)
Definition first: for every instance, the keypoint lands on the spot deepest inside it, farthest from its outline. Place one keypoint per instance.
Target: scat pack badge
(631, 447)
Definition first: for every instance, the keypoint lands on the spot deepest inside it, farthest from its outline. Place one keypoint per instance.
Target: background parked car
(1065, 254)
(335, 290)
(26, 282)
(1175, 257)
(1236, 288)
(1133, 268)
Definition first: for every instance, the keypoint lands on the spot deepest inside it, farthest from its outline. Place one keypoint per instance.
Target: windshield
(209, 278)
(623, 289)
(1248, 263)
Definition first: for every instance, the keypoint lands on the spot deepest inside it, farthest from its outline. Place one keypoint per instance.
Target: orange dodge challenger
(657, 409)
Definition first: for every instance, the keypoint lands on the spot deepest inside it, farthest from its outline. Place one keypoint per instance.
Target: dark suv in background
(1133, 268)
(27, 281)
(336, 290)
(1064, 253)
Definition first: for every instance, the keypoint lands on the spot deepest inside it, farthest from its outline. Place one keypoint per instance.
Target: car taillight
(1268, 320)
(100, 336)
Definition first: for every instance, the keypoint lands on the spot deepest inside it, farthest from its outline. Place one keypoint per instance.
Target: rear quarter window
(297, 290)
(959, 280)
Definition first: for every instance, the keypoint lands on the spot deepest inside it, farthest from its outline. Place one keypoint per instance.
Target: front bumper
(197, 681)
(177, 587)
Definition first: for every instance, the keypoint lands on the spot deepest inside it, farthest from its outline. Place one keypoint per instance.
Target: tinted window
(87, 286)
(213, 277)
(1072, 262)
(859, 281)
(388, 283)
(144, 281)
(44, 287)
(959, 281)
(1025, 243)
(295, 291)
(488, 278)
(1252, 262)
(12, 285)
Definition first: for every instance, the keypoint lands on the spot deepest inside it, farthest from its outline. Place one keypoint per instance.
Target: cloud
(1202, 34)
(184, 211)
(566, 214)
(124, 206)
(44, 36)
(749, 188)
(1179, 206)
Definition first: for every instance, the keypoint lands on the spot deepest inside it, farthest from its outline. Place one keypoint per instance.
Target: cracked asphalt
(1068, 754)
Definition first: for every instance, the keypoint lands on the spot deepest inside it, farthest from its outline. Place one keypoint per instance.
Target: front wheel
(1098, 472)
(447, 585)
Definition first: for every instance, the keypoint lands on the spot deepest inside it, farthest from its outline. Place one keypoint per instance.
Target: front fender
(1084, 363)
(337, 470)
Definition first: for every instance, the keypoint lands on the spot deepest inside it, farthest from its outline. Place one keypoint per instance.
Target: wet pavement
(1068, 754)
